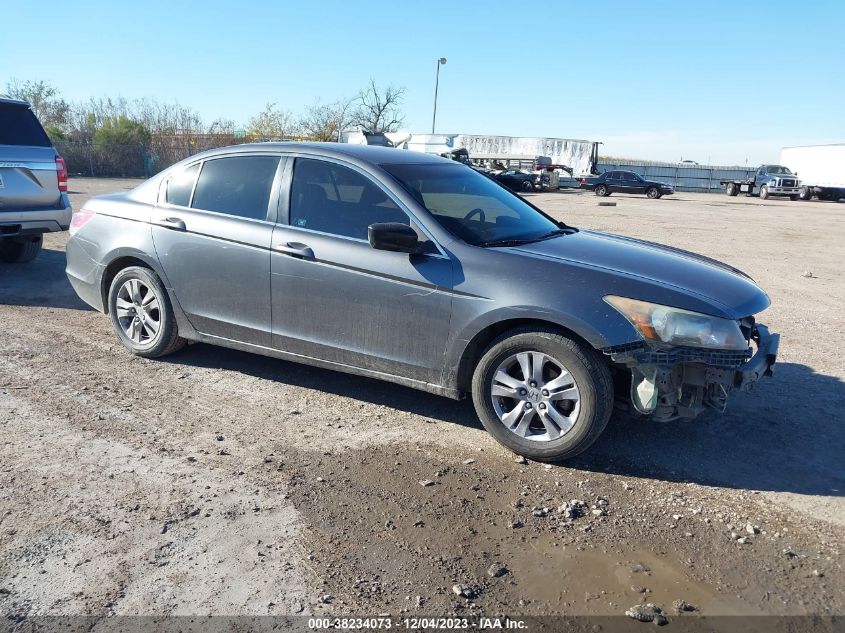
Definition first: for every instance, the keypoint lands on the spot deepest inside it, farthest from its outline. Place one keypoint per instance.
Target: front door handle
(295, 249)
(172, 223)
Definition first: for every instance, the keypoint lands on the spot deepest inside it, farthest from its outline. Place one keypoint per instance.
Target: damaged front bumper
(680, 382)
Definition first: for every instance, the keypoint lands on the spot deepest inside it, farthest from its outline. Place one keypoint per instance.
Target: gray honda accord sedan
(420, 271)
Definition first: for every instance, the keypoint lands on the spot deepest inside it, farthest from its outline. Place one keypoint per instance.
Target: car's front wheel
(20, 250)
(141, 313)
(543, 395)
(764, 192)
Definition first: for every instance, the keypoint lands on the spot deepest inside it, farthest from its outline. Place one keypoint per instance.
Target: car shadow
(348, 385)
(41, 282)
(787, 435)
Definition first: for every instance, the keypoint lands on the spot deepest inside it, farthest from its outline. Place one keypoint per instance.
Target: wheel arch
(125, 258)
(472, 352)
(118, 262)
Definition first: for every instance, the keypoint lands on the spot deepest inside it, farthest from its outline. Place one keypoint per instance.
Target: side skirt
(325, 364)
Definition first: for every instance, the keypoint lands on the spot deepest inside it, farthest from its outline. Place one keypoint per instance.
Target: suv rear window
(18, 126)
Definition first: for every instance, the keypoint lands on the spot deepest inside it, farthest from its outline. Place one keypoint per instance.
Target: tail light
(61, 173)
(79, 219)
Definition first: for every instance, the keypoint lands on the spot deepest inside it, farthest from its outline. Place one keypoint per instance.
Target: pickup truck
(768, 180)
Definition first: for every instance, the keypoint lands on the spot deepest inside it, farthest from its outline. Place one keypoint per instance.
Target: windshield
(471, 206)
(778, 169)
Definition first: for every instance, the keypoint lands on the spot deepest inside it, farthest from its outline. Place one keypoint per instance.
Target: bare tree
(221, 126)
(379, 110)
(44, 98)
(326, 121)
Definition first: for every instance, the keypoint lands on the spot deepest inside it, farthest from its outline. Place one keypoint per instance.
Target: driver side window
(334, 199)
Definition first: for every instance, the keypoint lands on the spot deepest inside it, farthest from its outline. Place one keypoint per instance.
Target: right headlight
(675, 326)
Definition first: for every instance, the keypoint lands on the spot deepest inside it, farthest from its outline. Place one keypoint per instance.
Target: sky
(715, 82)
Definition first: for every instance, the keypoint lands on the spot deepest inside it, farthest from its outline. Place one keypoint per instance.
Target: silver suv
(33, 184)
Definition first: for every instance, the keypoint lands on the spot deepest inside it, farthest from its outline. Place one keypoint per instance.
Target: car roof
(372, 154)
(14, 102)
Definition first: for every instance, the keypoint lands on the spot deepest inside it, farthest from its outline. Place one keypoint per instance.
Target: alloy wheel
(138, 311)
(535, 396)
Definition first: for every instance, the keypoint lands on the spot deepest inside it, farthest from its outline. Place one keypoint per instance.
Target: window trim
(287, 187)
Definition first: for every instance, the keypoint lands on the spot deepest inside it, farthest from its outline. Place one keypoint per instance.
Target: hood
(731, 292)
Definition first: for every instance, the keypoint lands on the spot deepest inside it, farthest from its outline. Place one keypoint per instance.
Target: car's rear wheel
(653, 193)
(601, 190)
(541, 394)
(527, 185)
(141, 313)
(731, 189)
(764, 192)
(19, 250)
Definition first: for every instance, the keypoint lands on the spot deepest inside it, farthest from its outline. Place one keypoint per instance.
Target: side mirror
(395, 237)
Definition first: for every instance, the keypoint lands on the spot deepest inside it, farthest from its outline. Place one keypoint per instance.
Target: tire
(541, 436)
(793, 198)
(527, 185)
(764, 193)
(602, 191)
(731, 189)
(805, 193)
(152, 341)
(653, 193)
(20, 250)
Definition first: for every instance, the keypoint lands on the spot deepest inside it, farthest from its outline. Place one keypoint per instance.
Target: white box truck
(820, 169)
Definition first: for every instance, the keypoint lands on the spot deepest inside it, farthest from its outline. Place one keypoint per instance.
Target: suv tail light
(79, 219)
(61, 173)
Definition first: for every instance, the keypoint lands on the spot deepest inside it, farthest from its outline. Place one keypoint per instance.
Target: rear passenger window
(237, 185)
(180, 185)
(330, 198)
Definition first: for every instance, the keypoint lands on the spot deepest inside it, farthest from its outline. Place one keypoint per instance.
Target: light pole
(440, 62)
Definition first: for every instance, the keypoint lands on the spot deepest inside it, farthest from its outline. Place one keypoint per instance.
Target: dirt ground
(218, 482)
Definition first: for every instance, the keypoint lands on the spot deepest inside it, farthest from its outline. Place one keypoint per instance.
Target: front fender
(615, 330)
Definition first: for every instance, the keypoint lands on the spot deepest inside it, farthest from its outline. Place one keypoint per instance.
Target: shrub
(121, 131)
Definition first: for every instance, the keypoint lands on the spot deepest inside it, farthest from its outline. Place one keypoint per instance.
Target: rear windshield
(18, 126)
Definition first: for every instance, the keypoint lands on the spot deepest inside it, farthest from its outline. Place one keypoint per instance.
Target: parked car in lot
(518, 180)
(421, 271)
(625, 182)
(33, 184)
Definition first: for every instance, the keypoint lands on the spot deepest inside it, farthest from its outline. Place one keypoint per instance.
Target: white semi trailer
(820, 168)
(579, 157)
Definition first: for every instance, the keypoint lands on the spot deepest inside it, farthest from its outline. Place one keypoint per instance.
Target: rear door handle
(172, 223)
(295, 249)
